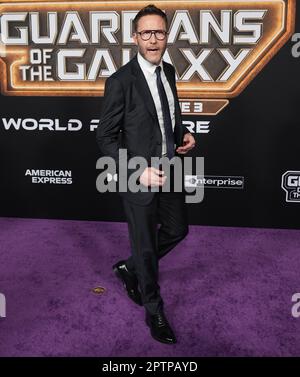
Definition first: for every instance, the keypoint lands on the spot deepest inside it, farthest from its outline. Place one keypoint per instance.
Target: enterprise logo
(212, 181)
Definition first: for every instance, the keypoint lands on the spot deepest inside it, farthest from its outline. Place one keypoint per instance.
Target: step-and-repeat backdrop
(238, 78)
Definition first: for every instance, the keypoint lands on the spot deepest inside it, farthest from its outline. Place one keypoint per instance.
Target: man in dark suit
(141, 113)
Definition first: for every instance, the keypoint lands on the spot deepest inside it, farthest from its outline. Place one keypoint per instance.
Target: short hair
(147, 11)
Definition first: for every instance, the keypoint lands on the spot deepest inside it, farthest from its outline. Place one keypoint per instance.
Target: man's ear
(134, 37)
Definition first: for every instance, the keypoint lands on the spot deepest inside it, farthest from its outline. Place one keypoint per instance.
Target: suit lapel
(178, 119)
(170, 79)
(143, 88)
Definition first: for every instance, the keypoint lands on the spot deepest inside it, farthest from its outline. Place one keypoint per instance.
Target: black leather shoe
(160, 328)
(129, 281)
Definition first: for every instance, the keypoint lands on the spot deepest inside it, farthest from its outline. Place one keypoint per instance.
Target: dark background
(256, 136)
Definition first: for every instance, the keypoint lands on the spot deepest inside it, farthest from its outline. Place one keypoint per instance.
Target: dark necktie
(166, 114)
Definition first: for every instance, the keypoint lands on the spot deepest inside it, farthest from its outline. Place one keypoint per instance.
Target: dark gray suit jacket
(129, 119)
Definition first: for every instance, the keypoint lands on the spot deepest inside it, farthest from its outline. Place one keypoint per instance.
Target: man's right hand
(153, 177)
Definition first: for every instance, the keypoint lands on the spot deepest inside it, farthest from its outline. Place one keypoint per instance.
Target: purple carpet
(227, 292)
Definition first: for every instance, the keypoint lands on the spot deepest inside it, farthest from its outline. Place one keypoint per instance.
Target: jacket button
(158, 143)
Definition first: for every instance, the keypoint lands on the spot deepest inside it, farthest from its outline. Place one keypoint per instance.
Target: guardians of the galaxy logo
(70, 48)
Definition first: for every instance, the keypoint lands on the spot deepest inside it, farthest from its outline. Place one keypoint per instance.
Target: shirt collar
(147, 66)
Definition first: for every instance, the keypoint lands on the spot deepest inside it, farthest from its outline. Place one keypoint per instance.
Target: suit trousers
(150, 242)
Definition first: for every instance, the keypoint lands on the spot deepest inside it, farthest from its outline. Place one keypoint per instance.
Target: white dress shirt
(150, 75)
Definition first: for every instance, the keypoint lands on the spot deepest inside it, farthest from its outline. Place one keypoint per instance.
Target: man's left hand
(188, 144)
